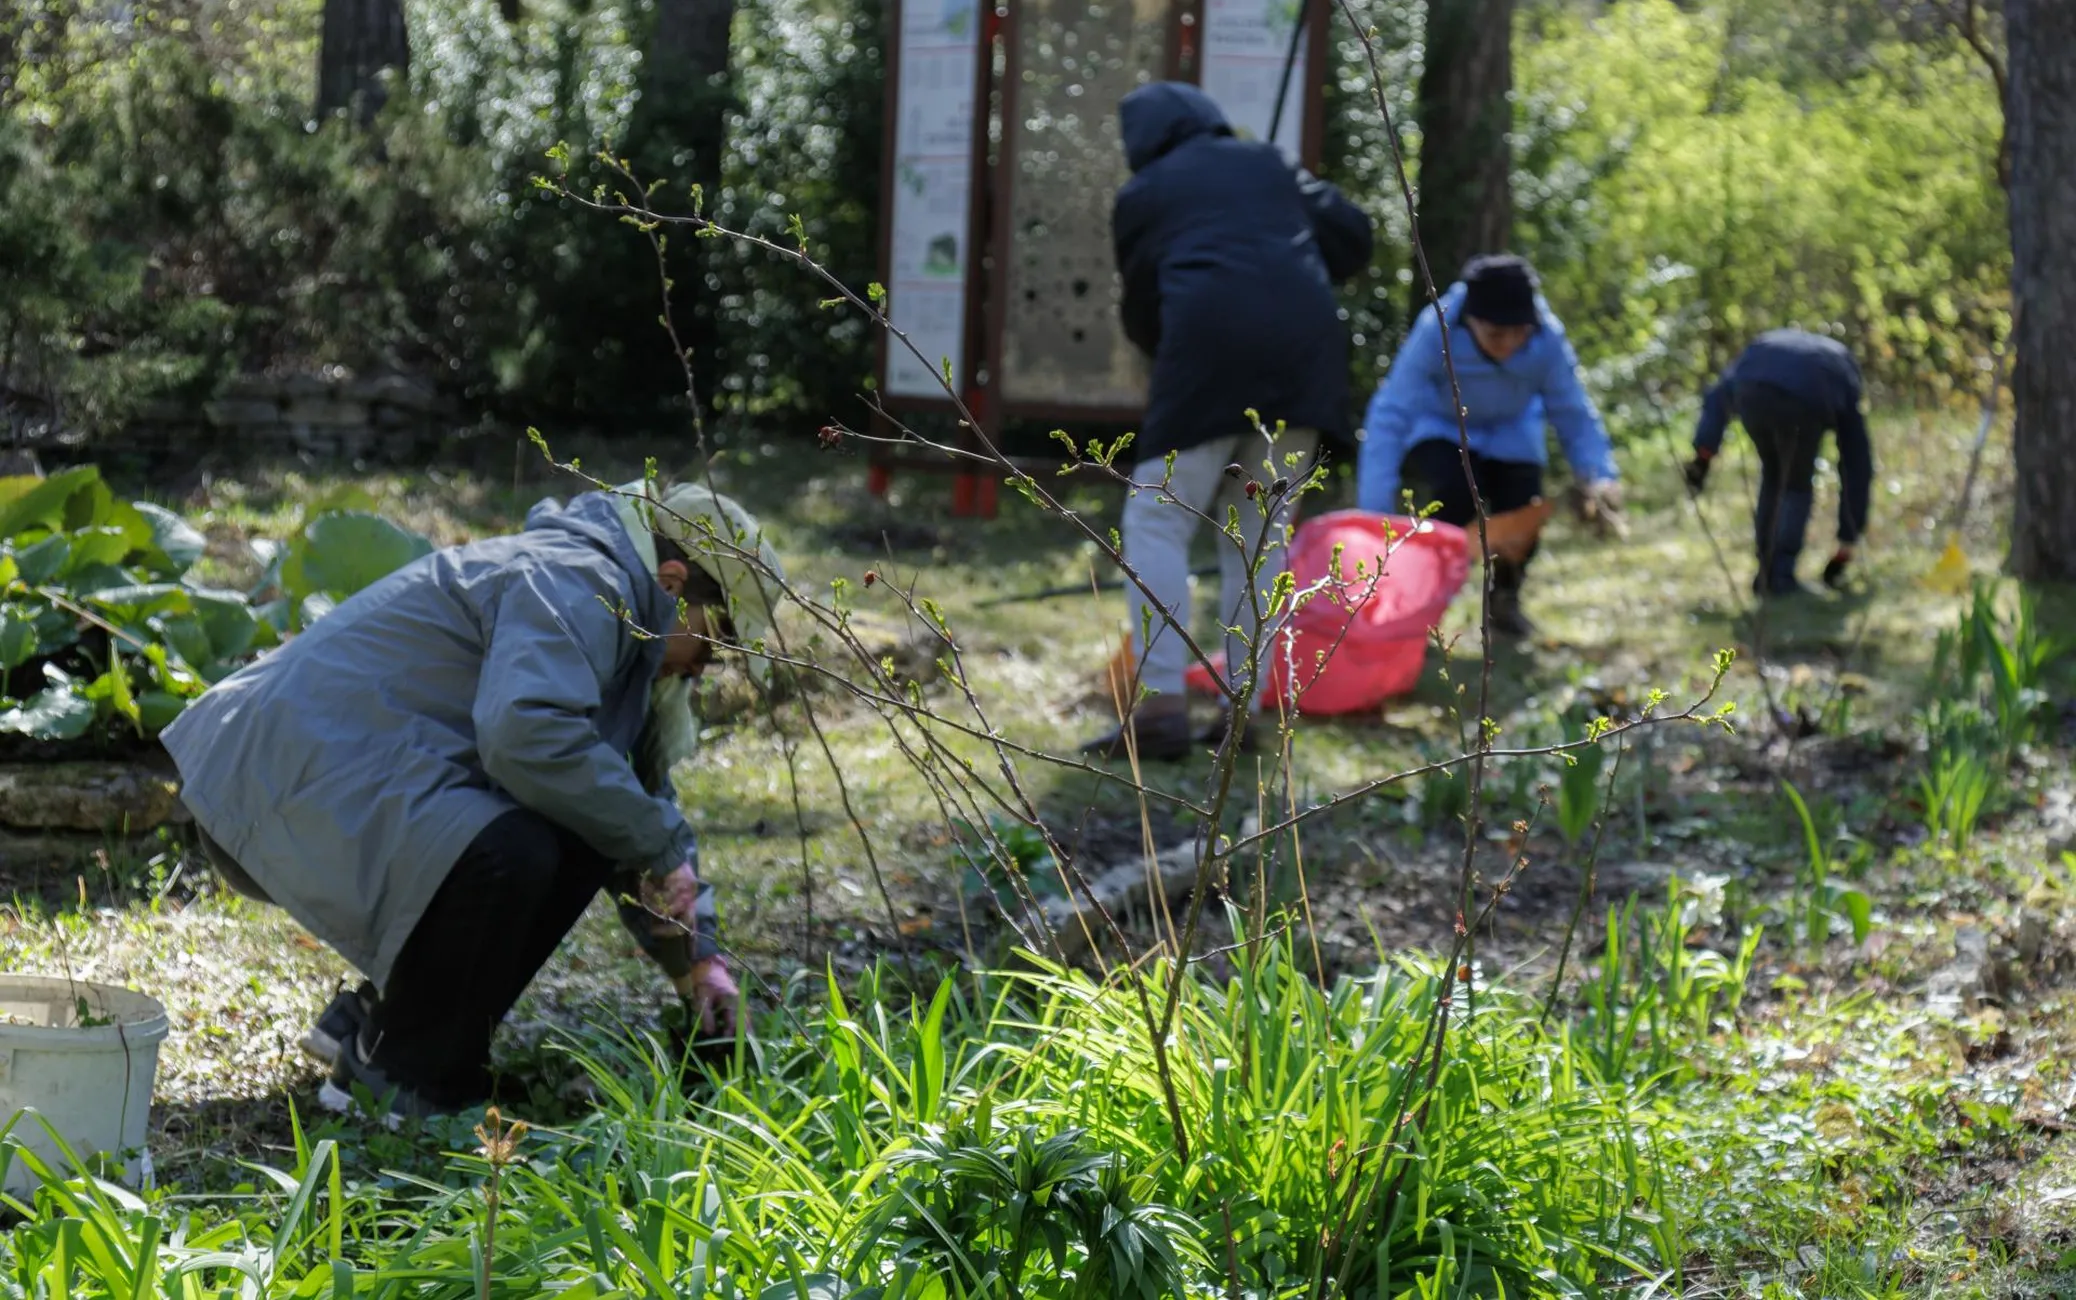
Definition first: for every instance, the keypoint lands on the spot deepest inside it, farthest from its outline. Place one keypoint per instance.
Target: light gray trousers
(1157, 532)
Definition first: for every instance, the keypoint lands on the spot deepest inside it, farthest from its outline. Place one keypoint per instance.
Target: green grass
(1616, 617)
(1731, 1098)
(1010, 1138)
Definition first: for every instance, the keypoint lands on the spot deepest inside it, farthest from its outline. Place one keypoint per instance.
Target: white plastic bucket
(91, 1082)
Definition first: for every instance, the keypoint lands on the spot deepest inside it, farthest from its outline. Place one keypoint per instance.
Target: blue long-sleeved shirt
(1821, 373)
(1507, 404)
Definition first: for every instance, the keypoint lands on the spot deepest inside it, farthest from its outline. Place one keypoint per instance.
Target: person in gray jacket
(437, 777)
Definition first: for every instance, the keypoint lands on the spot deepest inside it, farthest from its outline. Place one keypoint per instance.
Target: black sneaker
(1158, 737)
(394, 1102)
(339, 1023)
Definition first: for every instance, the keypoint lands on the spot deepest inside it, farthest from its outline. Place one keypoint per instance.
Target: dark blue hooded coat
(1229, 257)
(1819, 374)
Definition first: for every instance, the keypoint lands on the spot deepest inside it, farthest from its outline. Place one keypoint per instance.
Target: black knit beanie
(1499, 288)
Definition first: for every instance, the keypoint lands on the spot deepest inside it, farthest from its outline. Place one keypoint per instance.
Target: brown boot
(1507, 619)
(1158, 729)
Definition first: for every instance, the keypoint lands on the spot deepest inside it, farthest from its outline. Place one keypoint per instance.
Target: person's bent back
(1229, 256)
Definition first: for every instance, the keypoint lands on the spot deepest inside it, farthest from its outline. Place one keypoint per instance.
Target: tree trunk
(693, 34)
(681, 133)
(2042, 120)
(688, 80)
(1466, 198)
(362, 38)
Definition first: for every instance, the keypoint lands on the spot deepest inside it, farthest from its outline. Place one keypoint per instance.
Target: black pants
(1433, 472)
(515, 893)
(1788, 433)
(518, 889)
(227, 867)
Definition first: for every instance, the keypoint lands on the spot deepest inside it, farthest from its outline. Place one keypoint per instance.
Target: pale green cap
(719, 536)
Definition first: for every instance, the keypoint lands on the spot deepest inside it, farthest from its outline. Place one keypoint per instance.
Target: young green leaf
(17, 640)
(57, 712)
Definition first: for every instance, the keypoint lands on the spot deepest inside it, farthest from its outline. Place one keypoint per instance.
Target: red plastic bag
(1371, 587)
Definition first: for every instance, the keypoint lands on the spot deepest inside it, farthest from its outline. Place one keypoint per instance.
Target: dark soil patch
(1099, 840)
(878, 537)
(118, 744)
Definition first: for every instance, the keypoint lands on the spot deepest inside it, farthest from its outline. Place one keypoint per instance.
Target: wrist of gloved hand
(700, 933)
(675, 943)
(692, 980)
(1695, 471)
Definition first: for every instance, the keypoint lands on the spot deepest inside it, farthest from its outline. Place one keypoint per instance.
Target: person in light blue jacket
(1517, 373)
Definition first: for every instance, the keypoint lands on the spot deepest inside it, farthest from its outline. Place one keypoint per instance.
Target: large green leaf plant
(104, 622)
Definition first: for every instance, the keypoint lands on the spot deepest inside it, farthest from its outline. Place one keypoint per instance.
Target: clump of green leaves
(336, 554)
(992, 1206)
(1955, 790)
(1657, 987)
(1985, 698)
(1009, 1139)
(97, 620)
(104, 622)
(1818, 900)
(1579, 779)
(990, 856)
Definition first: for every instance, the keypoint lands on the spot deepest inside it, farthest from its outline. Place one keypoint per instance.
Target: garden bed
(111, 620)
(59, 818)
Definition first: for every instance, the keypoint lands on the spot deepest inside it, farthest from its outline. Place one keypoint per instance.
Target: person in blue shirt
(1516, 372)
(1787, 388)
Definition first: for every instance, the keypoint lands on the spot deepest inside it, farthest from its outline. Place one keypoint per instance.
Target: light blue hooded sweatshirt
(1507, 404)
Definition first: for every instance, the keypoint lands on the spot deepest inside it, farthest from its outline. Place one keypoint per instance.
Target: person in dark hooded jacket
(438, 776)
(1229, 257)
(1787, 387)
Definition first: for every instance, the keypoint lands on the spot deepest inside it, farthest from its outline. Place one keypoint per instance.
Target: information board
(1246, 44)
(929, 263)
(1062, 349)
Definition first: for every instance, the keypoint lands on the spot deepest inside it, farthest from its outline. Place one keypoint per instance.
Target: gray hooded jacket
(347, 771)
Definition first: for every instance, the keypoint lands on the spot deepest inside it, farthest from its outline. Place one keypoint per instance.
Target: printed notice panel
(1246, 44)
(933, 190)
